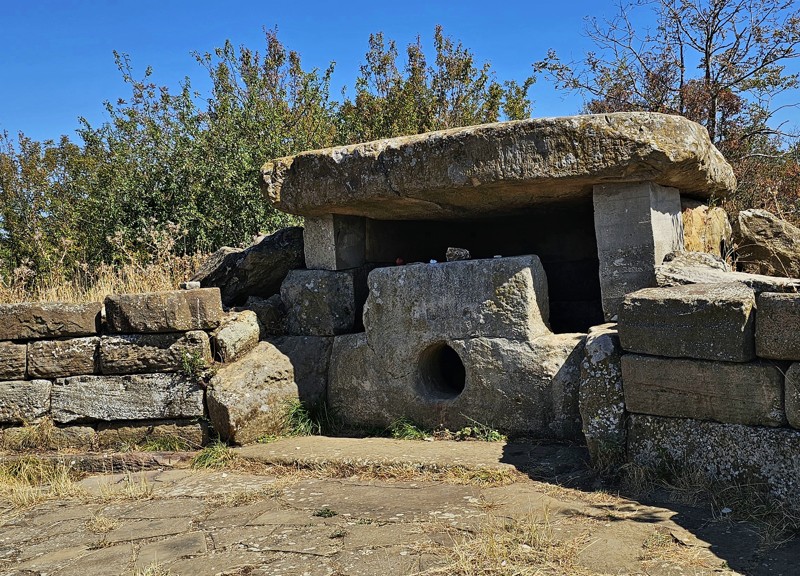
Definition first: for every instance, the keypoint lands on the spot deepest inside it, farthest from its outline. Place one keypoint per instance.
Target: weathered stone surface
(48, 438)
(778, 326)
(601, 399)
(140, 353)
(172, 311)
(184, 434)
(766, 244)
(747, 455)
(13, 361)
(238, 334)
(514, 386)
(636, 225)
(697, 268)
(792, 395)
(335, 242)
(497, 168)
(319, 302)
(34, 320)
(254, 271)
(727, 392)
(68, 357)
(705, 229)
(271, 314)
(310, 357)
(24, 400)
(134, 397)
(247, 398)
(454, 254)
(708, 322)
(412, 307)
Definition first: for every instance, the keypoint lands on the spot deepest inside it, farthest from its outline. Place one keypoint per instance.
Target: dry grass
(99, 524)
(28, 481)
(130, 487)
(154, 569)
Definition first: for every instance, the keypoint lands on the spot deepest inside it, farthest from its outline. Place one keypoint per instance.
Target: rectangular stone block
(34, 320)
(792, 395)
(310, 357)
(13, 360)
(727, 392)
(334, 242)
(778, 326)
(134, 397)
(636, 226)
(319, 302)
(140, 353)
(172, 311)
(238, 334)
(707, 322)
(169, 434)
(58, 358)
(722, 452)
(24, 400)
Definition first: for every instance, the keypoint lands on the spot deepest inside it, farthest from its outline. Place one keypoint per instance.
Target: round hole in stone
(443, 372)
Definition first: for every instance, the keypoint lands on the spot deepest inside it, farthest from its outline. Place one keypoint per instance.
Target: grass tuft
(405, 429)
(216, 455)
(27, 481)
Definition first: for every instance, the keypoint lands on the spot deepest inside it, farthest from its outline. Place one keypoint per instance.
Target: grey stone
(133, 397)
(746, 455)
(778, 326)
(172, 311)
(726, 392)
(601, 397)
(247, 398)
(766, 244)
(497, 169)
(34, 320)
(271, 314)
(69, 357)
(454, 254)
(707, 322)
(188, 434)
(141, 353)
(792, 395)
(238, 334)
(335, 242)
(24, 401)
(254, 271)
(13, 361)
(319, 302)
(636, 225)
(310, 357)
(696, 268)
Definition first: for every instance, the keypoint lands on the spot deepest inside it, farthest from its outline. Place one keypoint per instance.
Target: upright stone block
(727, 392)
(35, 320)
(778, 326)
(13, 360)
(59, 358)
(172, 311)
(636, 226)
(24, 400)
(319, 302)
(310, 357)
(335, 242)
(792, 395)
(707, 322)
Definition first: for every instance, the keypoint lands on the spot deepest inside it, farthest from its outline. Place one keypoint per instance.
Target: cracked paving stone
(171, 549)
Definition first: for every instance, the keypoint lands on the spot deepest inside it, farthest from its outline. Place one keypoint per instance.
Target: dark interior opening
(443, 372)
(563, 237)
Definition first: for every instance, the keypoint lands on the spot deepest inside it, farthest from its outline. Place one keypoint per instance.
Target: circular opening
(443, 372)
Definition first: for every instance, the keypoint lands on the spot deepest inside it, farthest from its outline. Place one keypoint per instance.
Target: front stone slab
(727, 392)
(636, 226)
(497, 169)
(778, 326)
(335, 242)
(706, 322)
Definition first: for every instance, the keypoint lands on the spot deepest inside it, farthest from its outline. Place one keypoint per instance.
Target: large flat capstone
(498, 169)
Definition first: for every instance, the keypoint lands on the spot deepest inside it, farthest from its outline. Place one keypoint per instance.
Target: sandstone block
(238, 334)
(271, 314)
(133, 397)
(746, 455)
(792, 395)
(601, 398)
(68, 357)
(497, 169)
(34, 320)
(705, 229)
(726, 392)
(173, 311)
(335, 242)
(247, 398)
(13, 361)
(319, 302)
(767, 244)
(24, 401)
(310, 357)
(141, 353)
(707, 322)
(254, 271)
(778, 326)
(170, 434)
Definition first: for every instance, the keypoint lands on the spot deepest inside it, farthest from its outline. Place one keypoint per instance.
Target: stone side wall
(115, 373)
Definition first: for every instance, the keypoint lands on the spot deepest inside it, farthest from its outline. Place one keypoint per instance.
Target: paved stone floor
(261, 520)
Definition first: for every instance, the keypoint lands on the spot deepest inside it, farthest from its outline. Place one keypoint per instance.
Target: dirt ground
(321, 506)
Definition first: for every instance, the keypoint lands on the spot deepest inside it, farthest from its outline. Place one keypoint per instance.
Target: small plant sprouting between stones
(479, 431)
(193, 364)
(405, 429)
(215, 455)
(314, 420)
(325, 512)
